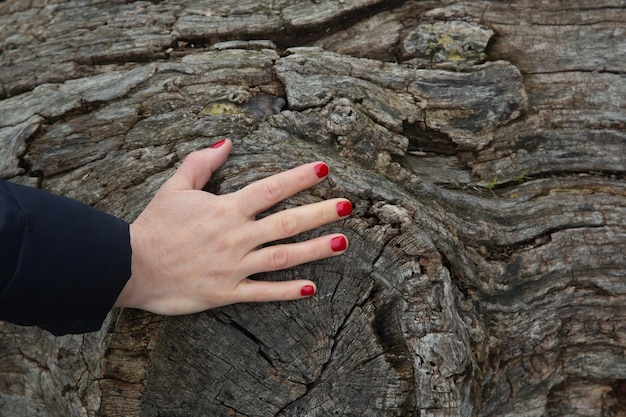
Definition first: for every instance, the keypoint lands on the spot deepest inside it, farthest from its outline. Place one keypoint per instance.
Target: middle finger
(288, 223)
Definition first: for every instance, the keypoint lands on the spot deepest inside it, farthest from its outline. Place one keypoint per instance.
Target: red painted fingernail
(307, 291)
(344, 208)
(218, 143)
(339, 243)
(321, 170)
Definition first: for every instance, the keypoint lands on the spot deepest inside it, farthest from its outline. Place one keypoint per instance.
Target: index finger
(263, 194)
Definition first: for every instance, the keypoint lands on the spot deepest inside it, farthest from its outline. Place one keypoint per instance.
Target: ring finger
(277, 257)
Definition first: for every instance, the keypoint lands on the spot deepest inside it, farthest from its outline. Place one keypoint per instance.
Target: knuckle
(194, 156)
(270, 191)
(288, 225)
(325, 216)
(229, 242)
(279, 258)
(212, 209)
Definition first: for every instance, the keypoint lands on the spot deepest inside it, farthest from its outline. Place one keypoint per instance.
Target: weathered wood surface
(482, 144)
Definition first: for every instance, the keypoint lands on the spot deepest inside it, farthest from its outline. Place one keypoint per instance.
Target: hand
(193, 250)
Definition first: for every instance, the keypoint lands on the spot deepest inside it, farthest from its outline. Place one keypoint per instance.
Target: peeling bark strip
(467, 107)
(481, 143)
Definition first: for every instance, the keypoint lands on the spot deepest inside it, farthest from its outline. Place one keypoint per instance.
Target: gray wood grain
(481, 143)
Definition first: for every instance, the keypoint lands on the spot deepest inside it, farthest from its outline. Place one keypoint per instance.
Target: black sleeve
(62, 263)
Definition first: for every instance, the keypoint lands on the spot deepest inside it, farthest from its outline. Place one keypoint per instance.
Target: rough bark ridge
(483, 147)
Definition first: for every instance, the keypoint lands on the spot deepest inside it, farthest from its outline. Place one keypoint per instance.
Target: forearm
(63, 263)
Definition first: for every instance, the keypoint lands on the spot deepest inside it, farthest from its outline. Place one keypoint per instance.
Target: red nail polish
(218, 143)
(321, 170)
(307, 291)
(344, 208)
(339, 243)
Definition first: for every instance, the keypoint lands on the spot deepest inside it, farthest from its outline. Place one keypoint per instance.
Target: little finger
(266, 291)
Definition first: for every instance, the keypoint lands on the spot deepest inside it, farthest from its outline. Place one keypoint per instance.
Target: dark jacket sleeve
(62, 263)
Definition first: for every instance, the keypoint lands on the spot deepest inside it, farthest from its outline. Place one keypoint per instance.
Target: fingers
(198, 166)
(277, 257)
(291, 222)
(285, 256)
(267, 192)
(266, 291)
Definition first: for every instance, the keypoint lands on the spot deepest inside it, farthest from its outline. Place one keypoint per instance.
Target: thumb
(198, 166)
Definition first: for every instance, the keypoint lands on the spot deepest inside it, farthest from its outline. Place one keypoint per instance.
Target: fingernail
(321, 170)
(344, 208)
(339, 243)
(218, 143)
(307, 291)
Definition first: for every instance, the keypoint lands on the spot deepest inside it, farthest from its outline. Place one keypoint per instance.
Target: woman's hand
(193, 250)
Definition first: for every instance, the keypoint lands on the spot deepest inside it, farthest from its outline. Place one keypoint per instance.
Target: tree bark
(481, 143)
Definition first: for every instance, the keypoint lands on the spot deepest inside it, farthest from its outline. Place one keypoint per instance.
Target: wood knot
(342, 118)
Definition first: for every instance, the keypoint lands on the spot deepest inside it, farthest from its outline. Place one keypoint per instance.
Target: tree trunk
(482, 144)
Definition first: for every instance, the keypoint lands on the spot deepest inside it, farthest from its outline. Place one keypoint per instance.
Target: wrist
(127, 297)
